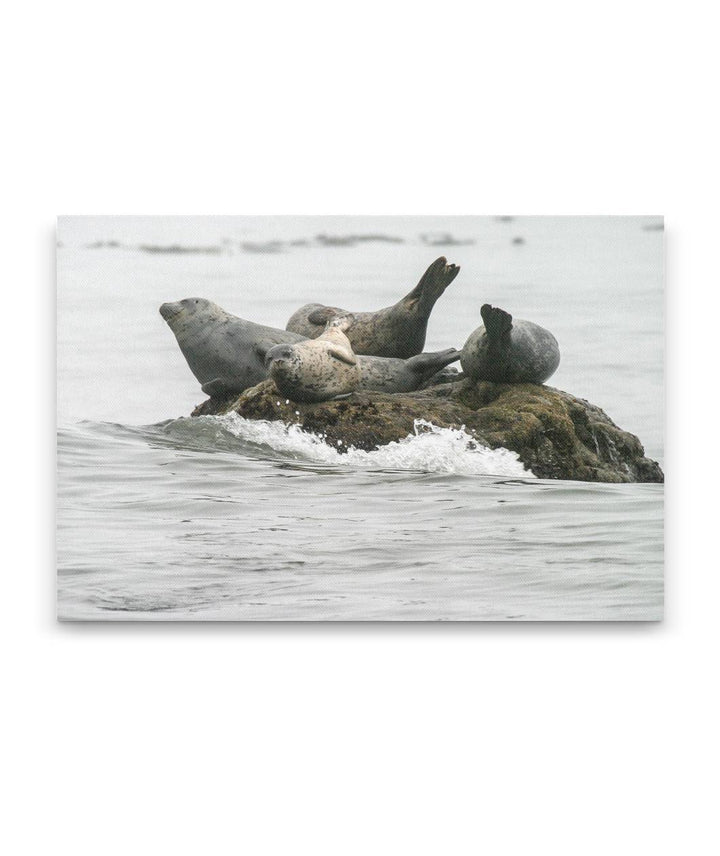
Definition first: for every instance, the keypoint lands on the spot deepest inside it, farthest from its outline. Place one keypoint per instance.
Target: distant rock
(353, 240)
(377, 238)
(444, 239)
(335, 240)
(180, 249)
(262, 247)
(555, 434)
(103, 245)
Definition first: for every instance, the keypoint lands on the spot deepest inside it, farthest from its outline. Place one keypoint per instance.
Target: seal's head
(189, 309)
(280, 355)
(283, 364)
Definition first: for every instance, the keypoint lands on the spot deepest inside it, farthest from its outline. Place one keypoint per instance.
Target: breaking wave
(428, 449)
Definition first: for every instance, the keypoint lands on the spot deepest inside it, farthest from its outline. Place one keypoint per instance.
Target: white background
(500, 739)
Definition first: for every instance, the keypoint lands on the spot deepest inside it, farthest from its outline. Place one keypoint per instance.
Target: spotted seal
(379, 374)
(227, 354)
(396, 331)
(507, 351)
(316, 369)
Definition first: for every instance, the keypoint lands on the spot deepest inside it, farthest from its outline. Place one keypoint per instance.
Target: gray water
(165, 517)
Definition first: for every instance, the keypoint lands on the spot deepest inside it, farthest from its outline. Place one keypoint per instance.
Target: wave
(429, 449)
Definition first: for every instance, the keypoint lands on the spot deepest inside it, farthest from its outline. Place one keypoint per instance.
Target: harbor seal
(316, 369)
(224, 352)
(396, 331)
(227, 354)
(391, 374)
(507, 351)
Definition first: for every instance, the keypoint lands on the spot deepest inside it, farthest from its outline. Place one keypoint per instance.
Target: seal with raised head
(316, 369)
(224, 352)
(396, 331)
(507, 351)
(227, 354)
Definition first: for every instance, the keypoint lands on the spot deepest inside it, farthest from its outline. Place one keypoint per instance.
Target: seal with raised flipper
(227, 354)
(396, 331)
(316, 369)
(506, 351)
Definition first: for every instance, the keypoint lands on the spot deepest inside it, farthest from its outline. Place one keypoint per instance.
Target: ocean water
(163, 517)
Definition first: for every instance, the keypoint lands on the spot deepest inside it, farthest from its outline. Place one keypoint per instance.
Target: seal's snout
(168, 310)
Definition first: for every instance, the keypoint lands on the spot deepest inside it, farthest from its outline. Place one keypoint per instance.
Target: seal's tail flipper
(434, 281)
(444, 358)
(498, 323)
(431, 362)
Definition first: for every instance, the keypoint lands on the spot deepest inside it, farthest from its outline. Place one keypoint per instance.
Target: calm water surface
(164, 517)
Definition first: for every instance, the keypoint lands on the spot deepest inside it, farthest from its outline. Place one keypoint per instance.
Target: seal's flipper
(498, 323)
(428, 364)
(215, 388)
(433, 282)
(320, 317)
(342, 354)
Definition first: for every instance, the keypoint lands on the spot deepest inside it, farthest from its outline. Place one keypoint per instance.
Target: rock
(555, 434)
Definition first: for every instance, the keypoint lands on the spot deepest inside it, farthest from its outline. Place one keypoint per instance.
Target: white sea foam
(428, 449)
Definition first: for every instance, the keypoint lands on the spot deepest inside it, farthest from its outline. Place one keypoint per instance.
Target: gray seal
(224, 352)
(391, 374)
(507, 351)
(316, 369)
(227, 354)
(396, 331)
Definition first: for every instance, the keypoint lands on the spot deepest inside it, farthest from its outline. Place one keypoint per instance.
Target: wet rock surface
(555, 434)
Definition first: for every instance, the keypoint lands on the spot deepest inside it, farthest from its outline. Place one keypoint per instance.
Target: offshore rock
(556, 435)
